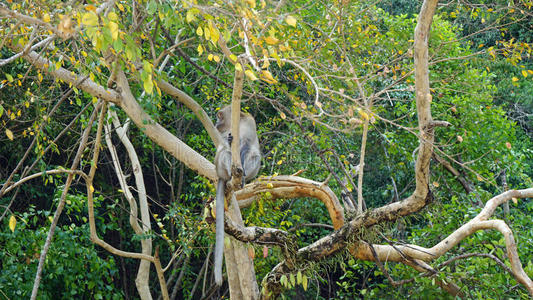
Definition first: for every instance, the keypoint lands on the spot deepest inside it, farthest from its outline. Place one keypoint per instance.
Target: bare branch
(62, 201)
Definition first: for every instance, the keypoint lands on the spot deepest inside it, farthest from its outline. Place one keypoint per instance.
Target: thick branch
(159, 134)
(293, 187)
(67, 76)
(254, 234)
(128, 103)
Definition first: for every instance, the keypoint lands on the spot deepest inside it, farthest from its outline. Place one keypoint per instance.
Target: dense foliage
(352, 52)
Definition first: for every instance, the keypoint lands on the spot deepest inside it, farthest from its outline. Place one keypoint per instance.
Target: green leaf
(283, 280)
(152, 7)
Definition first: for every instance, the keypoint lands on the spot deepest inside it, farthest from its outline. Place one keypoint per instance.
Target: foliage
(73, 269)
(359, 57)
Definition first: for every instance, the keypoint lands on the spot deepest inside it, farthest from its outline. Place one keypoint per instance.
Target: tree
(115, 56)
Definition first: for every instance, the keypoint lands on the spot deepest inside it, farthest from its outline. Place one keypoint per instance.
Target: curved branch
(128, 103)
(90, 203)
(48, 172)
(293, 187)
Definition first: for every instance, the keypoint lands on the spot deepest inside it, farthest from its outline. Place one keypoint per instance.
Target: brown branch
(67, 76)
(62, 201)
(292, 187)
(28, 20)
(160, 275)
(255, 234)
(464, 182)
(90, 202)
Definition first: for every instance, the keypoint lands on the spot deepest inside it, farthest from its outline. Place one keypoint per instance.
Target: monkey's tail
(219, 244)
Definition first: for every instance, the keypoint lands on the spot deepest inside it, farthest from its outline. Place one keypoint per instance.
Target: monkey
(250, 155)
(248, 141)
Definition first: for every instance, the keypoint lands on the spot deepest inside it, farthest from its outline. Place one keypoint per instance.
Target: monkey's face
(220, 122)
(223, 120)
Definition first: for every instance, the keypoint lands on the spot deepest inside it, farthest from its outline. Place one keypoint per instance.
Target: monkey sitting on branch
(250, 162)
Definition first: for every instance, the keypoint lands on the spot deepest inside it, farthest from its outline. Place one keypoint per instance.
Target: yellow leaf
(233, 58)
(363, 114)
(9, 134)
(12, 223)
(199, 31)
(238, 67)
(291, 21)
(207, 33)
(251, 3)
(113, 27)
(266, 63)
(91, 188)
(515, 201)
(216, 58)
(524, 73)
(190, 15)
(270, 185)
(46, 18)
(271, 40)
(210, 57)
(267, 76)
(120, 7)
(90, 8)
(514, 79)
(214, 33)
(283, 116)
(89, 19)
(200, 50)
(112, 16)
(280, 162)
(250, 74)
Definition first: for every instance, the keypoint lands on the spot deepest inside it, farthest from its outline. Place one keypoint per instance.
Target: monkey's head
(223, 123)
(224, 119)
